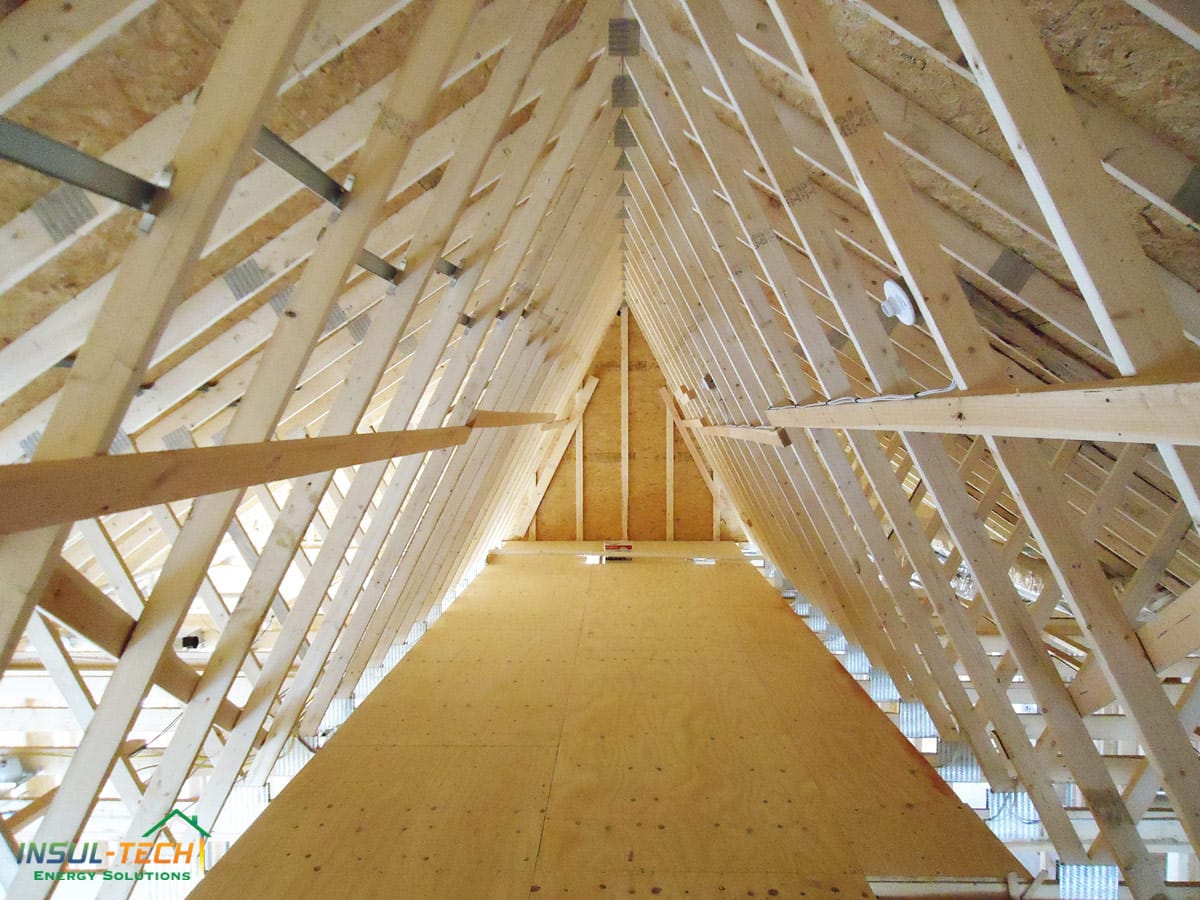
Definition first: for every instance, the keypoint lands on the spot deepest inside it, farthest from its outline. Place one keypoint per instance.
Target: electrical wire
(842, 401)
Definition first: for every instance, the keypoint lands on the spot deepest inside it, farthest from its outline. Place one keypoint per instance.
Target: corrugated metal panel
(834, 640)
(338, 712)
(957, 764)
(856, 661)
(122, 443)
(1088, 882)
(291, 762)
(179, 439)
(279, 300)
(915, 721)
(245, 803)
(1012, 817)
(163, 890)
(881, 688)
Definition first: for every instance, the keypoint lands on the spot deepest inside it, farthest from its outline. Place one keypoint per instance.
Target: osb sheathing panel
(647, 458)
(1102, 48)
(111, 92)
(334, 85)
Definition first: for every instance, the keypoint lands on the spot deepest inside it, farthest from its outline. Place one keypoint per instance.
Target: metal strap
(34, 150)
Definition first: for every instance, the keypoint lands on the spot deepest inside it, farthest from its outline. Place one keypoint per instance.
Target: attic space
(479, 448)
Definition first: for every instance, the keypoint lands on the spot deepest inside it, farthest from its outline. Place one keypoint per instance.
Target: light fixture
(897, 304)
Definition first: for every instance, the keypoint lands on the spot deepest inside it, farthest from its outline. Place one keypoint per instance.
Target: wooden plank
(772, 437)
(489, 418)
(1169, 637)
(554, 456)
(1062, 168)
(151, 280)
(579, 491)
(46, 493)
(1179, 17)
(808, 34)
(670, 474)
(75, 601)
(1133, 411)
(523, 617)
(624, 314)
(41, 38)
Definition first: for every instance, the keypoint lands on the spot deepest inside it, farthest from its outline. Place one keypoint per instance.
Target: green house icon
(193, 821)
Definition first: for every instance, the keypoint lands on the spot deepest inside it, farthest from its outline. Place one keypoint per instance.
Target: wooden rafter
(976, 568)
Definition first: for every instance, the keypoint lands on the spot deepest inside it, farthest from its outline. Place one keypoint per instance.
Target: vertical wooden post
(625, 422)
(670, 486)
(579, 480)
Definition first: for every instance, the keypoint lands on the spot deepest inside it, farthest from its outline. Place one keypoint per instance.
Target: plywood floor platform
(647, 728)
